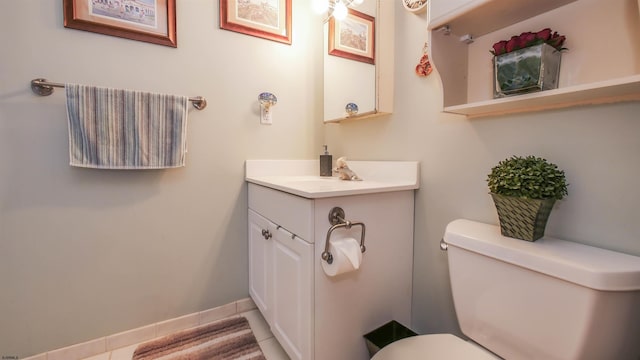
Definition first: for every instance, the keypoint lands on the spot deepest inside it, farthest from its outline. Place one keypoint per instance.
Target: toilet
(549, 299)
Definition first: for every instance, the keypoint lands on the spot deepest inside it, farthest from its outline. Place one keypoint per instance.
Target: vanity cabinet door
(293, 294)
(261, 233)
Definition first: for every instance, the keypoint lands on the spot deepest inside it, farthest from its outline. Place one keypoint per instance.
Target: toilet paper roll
(346, 256)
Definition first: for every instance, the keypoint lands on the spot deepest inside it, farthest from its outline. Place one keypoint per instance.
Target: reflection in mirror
(349, 74)
(335, 8)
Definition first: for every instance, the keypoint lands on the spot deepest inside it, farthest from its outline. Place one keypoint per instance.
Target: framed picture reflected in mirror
(354, 37)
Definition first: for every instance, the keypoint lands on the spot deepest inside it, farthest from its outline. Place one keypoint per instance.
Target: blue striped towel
(125, 129)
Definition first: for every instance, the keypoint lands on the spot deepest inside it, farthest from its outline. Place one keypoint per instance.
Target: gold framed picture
(267, 19)
(152, 21)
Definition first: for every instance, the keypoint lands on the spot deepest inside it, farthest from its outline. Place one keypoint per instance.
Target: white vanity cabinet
(260, 260)
(280, 281)
(292, 284)
(312, 315)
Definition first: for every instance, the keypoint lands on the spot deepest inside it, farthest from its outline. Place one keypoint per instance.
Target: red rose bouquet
(527, 39)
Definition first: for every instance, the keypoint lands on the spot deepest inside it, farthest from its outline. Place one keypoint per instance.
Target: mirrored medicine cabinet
(350, 81)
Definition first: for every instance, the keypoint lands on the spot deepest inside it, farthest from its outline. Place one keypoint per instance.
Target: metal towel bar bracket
(43, 87)
(337, 220)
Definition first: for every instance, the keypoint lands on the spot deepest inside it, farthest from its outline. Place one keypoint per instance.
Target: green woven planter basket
(523, 219)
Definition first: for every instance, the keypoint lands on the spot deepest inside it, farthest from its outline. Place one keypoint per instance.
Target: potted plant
(527, 62)
(524, 190)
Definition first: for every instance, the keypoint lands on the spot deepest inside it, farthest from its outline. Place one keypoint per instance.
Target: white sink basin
(299, 177)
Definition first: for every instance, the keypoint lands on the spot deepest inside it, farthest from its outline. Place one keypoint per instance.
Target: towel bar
(43, 87)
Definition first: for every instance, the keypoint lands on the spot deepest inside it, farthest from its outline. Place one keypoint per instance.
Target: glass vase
(534, 68)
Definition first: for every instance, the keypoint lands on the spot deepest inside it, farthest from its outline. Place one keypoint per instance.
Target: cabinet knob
(266, 234)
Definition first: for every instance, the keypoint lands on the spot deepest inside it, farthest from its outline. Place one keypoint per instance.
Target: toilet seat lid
(433, 346)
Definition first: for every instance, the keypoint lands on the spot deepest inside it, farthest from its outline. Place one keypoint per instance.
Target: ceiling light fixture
(336, 8)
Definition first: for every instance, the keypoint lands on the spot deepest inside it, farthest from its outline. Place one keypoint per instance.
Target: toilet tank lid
(585, 265)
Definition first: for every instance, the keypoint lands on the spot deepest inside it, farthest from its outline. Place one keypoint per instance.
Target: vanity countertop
(300, 177)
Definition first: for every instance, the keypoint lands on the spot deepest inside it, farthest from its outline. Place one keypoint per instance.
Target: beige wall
(87, 253)
(598, 147)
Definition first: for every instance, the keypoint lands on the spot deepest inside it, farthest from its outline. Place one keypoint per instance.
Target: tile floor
(269, 345)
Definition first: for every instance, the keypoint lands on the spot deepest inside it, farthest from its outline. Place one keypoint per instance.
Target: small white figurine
(343, 170)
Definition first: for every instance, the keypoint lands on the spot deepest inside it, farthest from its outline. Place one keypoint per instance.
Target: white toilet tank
(549, 299)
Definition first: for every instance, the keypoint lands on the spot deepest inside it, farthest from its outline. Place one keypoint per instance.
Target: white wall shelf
(600, 66)
(481, 17)
(602, 92)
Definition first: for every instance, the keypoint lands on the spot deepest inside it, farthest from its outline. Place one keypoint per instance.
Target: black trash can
(385, 335)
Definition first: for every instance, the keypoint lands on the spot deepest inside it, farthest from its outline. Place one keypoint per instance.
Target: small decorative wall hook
(424, 66)
(267, 100)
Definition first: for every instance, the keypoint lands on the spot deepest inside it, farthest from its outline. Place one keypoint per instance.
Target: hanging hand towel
(124, 129)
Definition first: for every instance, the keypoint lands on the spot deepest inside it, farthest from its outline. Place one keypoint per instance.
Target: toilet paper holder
(337, 220)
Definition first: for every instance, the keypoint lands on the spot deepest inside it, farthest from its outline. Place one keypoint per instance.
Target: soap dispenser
(325, 163)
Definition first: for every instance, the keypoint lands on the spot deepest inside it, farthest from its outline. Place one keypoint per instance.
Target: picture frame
(354, 37)
(152, 21)
(267, 19)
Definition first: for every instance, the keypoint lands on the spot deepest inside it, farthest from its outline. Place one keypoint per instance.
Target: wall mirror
(353, 77)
